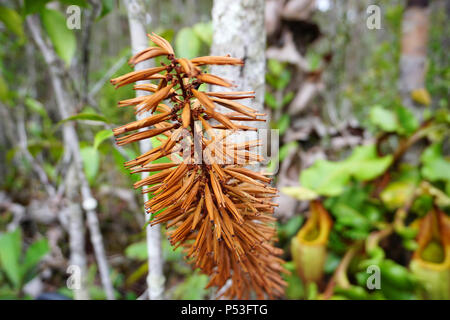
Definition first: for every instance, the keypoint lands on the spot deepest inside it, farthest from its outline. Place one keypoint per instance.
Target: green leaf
(290, 228)
(271, 100)
(107, 7)
(36, 106)
(435, 166)
(329, 178)
(364, 164)
(406, 119)
(33, 255)
(193, 288)
(275, 67)
(102, 136)
(187, 43)
(204, 32)
(33, 6)
(286, 149)
(91, 162)
(62, 38)
(137, 251)
(84, 116)
(397, 193)
(287, 98)
(283, 123)
(325, 177)
(10, 252)
(12, 20)
(399, 119)
(300, 193)
(383, 118)
(295, 289)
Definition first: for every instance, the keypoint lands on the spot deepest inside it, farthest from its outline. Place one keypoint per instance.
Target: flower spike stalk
(214, 207)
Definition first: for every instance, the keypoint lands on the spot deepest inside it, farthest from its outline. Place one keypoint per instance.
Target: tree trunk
(139, 41)
(238, 30)
(414, 40)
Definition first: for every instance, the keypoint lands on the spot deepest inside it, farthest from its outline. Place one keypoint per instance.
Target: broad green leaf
(33, 6)
(399, 119)
(295, 289)
(325, 177)
(137, 251)
(406, 119)
(62, 38)
(204, 32)
(91, 162)
(435, 166)
(329, 178)
(187, 43)
(300, 193)
(383, 118)
(102, 136)
(364, 164)
(397, 193)
(193, 287)
(12, 20)
(10, 252)
(33, 255)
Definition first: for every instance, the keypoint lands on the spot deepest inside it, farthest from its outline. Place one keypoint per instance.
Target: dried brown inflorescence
(218, 210)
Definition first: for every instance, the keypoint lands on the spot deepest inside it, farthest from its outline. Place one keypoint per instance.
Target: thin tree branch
(71, 142)
(139, 41)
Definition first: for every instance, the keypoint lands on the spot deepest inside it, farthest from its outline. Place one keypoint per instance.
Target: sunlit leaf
(10, 252)
(91, 162)
(33, 255)
(137, 251)
(329, 178)
(102, 136)
(300, 193)
(397, 193)
(62, 38)
(12, 20)
(187, 43)
(435, 166)
(204, 32)
(385, 119)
